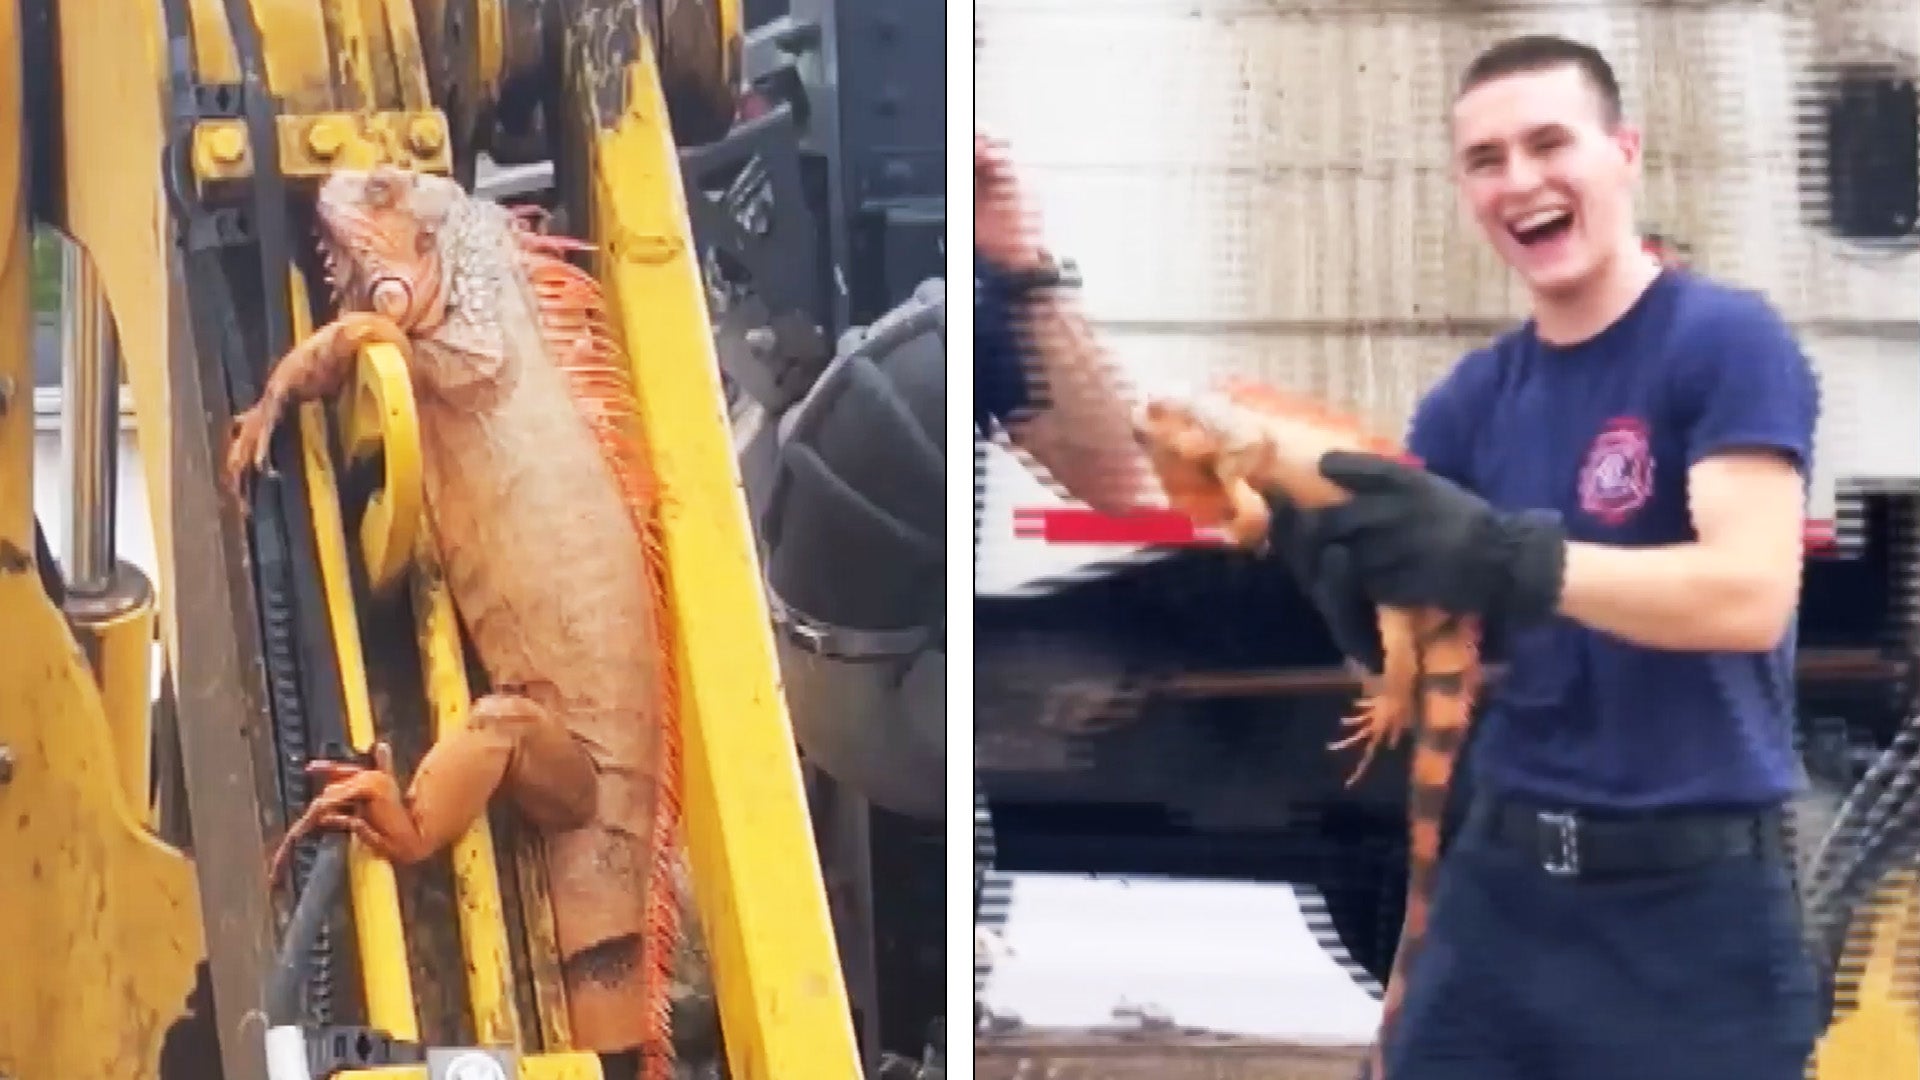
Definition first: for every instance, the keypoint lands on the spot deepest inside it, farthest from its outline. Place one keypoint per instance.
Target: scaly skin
(1214, 453)
(537, 488)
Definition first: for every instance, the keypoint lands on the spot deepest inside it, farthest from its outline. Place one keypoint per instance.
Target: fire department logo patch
(1617, 479)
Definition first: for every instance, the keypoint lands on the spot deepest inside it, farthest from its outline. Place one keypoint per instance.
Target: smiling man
(1617, 486)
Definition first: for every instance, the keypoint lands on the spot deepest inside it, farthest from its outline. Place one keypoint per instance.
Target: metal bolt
(761, 340)
(227, 145)
(324, 139)
(6, 400)
(425, 136)
(6, 764)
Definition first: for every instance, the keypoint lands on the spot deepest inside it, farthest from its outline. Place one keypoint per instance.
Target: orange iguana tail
(573, 321)
(1214, 454)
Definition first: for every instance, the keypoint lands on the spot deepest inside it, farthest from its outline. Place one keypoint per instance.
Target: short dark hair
(1543, 52)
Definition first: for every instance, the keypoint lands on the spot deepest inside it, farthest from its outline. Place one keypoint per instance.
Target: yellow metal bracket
(115, 633)
(314, 144)
(370, 880)
(757, 878)
(1876, 1030)
(378, 414)
(101, 948)
(731, 31)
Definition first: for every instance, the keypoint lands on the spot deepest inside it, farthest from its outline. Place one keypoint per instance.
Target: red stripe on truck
(1169, 528)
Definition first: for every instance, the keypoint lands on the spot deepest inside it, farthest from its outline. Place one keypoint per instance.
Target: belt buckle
(1561, 843)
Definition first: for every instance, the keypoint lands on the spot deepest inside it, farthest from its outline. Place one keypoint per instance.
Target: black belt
(1569, 844)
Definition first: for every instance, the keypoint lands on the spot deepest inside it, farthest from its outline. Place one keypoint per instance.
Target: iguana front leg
(315, 368)
(1387, 710)
(510, 741)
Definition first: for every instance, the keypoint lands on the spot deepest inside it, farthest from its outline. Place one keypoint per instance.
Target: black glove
(1418, 540)
(1325, 574)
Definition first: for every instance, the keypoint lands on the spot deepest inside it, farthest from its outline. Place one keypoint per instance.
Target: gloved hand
(1418, 540)
(1325, 574)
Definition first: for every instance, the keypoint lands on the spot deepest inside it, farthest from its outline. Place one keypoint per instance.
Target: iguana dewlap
(537, 489)
(1214, 453)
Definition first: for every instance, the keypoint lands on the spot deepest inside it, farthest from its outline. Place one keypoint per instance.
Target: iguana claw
(1381, 720)
(360, 800)
(250, 438)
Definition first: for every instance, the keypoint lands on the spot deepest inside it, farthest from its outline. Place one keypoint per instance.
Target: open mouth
(1541, 226)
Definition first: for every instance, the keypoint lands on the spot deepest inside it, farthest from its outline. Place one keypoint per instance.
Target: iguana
(538, 489)
(1214, 453)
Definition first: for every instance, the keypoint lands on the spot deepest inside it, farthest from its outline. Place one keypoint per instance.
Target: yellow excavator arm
(175, 145)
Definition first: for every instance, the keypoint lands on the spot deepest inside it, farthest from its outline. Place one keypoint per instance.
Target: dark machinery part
(822, 211)
(882, 136)
(292, 966)
(1876, 831)
(1876, 828)
(858, 481)
(861, 483)
(331, 1048)
(231, 253)
(760, 255)
(866, 80)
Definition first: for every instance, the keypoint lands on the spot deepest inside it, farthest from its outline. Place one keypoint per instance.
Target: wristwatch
(1048, 273)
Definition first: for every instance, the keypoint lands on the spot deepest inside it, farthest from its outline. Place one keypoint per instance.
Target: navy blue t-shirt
(999, 365)
(1603, 434)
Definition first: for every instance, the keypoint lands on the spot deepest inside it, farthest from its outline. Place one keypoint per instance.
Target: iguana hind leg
(1387, 710)
(509, 741)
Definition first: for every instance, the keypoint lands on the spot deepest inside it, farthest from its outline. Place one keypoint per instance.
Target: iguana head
(1215, 450)
(381, 238)
(1201, 448)
(414, 247)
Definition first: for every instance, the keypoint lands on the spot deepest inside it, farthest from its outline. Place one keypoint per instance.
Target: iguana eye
(390, 297)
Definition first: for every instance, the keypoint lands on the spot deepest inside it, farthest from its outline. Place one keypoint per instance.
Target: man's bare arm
(1079, 428)
(1734, 589)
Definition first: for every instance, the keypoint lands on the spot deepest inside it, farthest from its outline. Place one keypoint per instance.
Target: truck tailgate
(1123, 977)
(1173, 1056)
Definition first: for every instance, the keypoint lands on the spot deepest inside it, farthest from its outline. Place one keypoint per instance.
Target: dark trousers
(1694, 974)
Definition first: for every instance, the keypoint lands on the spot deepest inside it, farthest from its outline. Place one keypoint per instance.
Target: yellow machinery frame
(103, 928)
(1876, 1027)
(114, 926)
